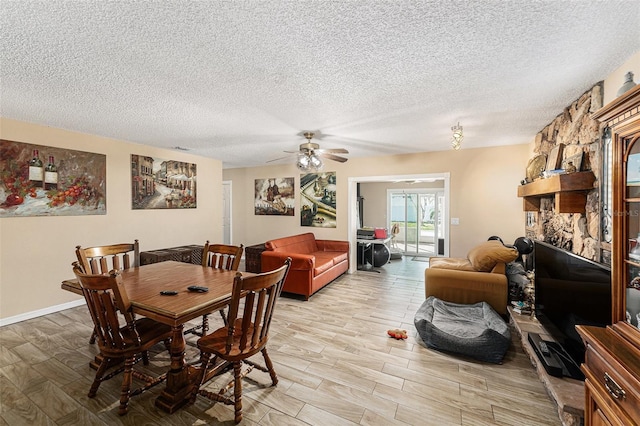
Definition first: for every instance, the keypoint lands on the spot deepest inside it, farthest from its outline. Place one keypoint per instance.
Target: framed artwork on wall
(535, 167)
(318, 199)
(39, 180)
(532, 219)
(554, 160)
(274, 197)
(162, 184)
(575, 161)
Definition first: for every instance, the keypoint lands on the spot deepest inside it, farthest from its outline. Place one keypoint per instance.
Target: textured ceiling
(240, 80)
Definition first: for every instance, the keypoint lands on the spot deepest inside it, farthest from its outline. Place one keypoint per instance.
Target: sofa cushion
(324, 261)
(485, 256)
(303, 243)
(338, 256)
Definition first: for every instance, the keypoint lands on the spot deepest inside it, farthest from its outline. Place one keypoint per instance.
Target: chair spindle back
(102, 259)
(105, 296)
(222, 256)
(260, 293)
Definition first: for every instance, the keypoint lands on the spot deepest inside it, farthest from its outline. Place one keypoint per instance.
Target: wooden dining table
(144, 284)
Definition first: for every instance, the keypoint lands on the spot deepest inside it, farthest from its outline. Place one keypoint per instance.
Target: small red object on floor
(397, 333)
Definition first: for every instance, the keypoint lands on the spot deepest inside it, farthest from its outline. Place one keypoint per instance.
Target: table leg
(179, 378)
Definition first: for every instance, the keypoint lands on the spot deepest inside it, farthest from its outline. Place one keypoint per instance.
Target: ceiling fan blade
(291, 152)
(333, 157)
(333, 151)
(277, 159)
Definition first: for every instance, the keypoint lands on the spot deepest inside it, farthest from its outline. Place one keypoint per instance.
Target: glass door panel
(440, 228)
(632, 231)
(415, 221)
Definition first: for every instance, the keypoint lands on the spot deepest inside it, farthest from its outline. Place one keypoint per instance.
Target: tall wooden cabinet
(612, 359)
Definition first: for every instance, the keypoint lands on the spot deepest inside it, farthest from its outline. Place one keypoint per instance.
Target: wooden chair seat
(216, 342)
(146, 334)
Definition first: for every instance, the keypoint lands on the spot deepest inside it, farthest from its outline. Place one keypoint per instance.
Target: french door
(416, 221)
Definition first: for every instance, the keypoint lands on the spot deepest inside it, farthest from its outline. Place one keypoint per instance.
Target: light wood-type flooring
(334, 360)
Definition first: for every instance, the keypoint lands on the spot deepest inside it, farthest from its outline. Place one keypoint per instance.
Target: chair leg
(205, 325)
(126, 385)
(269, 365)
(98, 378)
(237, 390)
(145, 357)
(93, 337)
(204, 357)
(224, 317)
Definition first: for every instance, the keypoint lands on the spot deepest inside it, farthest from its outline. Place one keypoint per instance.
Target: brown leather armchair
(479, 277)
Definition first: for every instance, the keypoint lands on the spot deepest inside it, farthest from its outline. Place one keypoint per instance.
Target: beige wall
(616, 79)
(483, 194)
(36, 252)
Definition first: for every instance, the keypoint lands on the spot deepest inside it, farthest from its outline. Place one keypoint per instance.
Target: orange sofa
(315, 263)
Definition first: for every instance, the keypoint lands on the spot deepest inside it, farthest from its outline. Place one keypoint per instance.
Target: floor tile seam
(459, 404)
(313, 404)
(355, 385)
(540, 400)
(271, 407)
(60, 391)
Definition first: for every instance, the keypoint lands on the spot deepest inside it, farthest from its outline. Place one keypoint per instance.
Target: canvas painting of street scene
(162, 184)
(39, 180)
(318, 200)
(274, 196)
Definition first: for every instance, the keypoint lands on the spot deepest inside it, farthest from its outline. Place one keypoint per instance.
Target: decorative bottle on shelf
(628, 84)
(36, 171)
(51, 175)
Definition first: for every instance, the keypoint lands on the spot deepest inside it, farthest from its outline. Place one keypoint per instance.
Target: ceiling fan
(310, 155)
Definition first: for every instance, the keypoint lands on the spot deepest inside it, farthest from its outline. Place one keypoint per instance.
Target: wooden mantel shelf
(570, 192)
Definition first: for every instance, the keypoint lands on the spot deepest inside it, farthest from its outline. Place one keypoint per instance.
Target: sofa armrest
(467, 287)
(500, 268)
(274, 259)
(332, 245)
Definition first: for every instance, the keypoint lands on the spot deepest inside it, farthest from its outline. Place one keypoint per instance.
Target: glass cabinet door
(632, 230)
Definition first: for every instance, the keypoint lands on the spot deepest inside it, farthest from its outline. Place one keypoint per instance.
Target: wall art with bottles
(39, 180)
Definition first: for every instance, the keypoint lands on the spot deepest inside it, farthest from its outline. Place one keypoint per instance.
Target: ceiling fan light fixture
(303, 162)
(316, 162)
(458, 136)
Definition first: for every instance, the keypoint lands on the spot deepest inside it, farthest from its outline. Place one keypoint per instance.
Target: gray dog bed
(476, 331)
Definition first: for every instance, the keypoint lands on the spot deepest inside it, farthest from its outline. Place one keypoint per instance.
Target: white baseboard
(40, 312)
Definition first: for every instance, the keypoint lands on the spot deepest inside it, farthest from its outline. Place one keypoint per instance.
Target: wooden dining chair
(246, 334)
(107, 300)
(102, 259)
(218, 256)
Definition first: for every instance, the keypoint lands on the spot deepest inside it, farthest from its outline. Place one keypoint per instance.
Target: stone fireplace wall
(575, 232)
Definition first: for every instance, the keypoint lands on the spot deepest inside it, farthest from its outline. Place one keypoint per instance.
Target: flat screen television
(570, 290)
